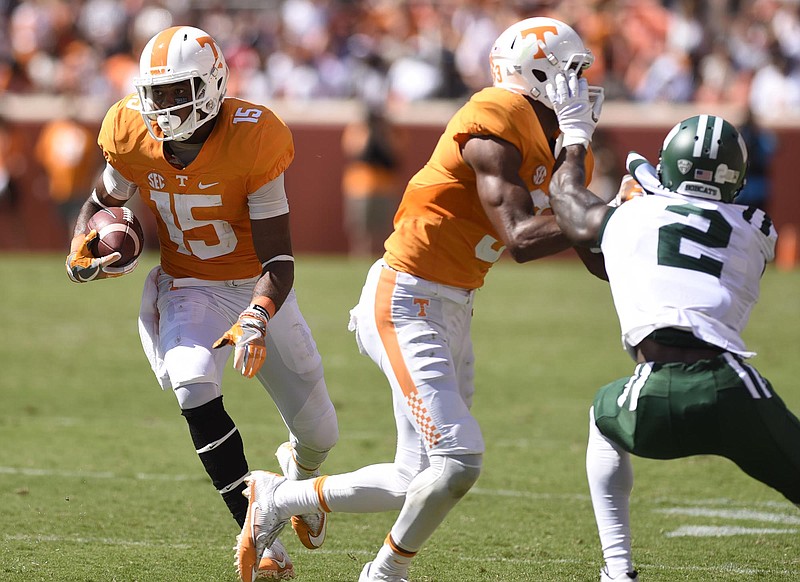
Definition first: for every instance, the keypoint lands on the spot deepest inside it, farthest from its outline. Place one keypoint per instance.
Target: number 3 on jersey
(183, 216)
(489, 249)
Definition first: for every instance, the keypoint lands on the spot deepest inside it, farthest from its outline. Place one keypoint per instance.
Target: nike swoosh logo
(280, 563)
(316, 540)
(204, 186)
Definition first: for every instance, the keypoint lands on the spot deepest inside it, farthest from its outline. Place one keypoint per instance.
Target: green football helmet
(705, 157)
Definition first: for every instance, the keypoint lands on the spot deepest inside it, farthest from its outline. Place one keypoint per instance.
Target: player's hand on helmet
(247, 336)
(577, 107)
(83, 266)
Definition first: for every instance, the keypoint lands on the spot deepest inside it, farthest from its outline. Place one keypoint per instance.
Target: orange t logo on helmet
(539, 31)
(207, 40)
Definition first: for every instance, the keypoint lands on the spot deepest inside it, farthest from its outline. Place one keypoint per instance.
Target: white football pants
(180, 319)
(418, 333)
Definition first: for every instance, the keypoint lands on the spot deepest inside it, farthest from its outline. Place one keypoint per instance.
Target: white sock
(371, 489)
(391, 563)
(610, 474)
(297, 498)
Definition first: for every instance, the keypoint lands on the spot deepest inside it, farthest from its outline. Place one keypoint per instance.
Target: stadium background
(320, 64)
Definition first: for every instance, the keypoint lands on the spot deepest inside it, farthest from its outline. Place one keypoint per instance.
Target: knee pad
(431, 496)
(316, 427)
(461, 473)
(456, 474)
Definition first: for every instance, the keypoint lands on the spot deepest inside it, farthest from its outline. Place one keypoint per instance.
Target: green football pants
(720, 407)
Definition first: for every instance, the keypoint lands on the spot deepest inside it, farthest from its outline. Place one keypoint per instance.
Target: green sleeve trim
(634, 163)
(611, 210)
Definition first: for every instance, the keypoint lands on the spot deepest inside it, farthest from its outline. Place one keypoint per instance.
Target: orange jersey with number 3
(441, 231)
(201, 210)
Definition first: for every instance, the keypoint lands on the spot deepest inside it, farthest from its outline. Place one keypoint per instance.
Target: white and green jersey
(684, 262)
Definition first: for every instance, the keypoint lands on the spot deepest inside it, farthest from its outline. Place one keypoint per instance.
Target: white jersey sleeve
(269, 200)
(117, 185)
(687, 263)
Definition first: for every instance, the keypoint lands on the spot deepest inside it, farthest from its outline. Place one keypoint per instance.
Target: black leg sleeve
(219, 445)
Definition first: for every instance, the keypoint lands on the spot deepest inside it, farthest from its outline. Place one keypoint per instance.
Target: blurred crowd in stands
(742, 52)
(739, 53)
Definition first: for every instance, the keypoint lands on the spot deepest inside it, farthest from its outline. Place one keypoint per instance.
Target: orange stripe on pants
(388, 333)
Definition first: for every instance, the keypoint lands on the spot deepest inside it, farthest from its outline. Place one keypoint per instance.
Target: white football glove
(577, 107)
(83, 266)
(247, 335)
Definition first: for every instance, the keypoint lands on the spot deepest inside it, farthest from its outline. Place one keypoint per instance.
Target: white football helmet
(530, 53)
(173, 55)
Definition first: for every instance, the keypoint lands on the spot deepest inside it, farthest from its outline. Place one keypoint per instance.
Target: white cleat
(309, 527)
(261, 526)
(367, 576)
(275, 564)
(624, 577)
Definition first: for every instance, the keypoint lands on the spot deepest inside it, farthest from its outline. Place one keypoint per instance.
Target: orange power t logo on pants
(422, 304)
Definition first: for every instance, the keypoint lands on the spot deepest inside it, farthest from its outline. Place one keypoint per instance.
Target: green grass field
(99, 481)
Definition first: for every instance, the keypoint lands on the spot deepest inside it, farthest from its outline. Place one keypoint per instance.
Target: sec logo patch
(539, 175)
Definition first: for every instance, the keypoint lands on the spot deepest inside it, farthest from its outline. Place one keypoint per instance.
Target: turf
(99, 480)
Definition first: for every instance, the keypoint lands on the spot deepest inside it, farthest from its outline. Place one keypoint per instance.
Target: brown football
(118, 230)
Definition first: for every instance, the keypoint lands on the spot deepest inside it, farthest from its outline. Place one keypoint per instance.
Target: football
(118, 230)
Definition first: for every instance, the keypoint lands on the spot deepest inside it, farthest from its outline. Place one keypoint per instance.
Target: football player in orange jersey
(484, 189)
(211, 170)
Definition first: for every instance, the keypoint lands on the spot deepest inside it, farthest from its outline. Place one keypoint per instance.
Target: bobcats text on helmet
(530, 53)
(178, 54)
(703, 156)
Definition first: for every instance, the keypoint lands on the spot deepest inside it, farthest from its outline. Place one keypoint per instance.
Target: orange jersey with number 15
(201, 210)
(441, 231)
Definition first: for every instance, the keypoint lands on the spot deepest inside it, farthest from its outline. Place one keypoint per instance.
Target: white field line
(721, 569)
(743, 514)
(92, 540)
(33, 472)
(712, 531)
(38, 472)
(682, 531)
(725, 569)
(719, 501)
(528, 494)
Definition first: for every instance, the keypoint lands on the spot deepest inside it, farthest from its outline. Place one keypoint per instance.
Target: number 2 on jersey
(716, 235)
